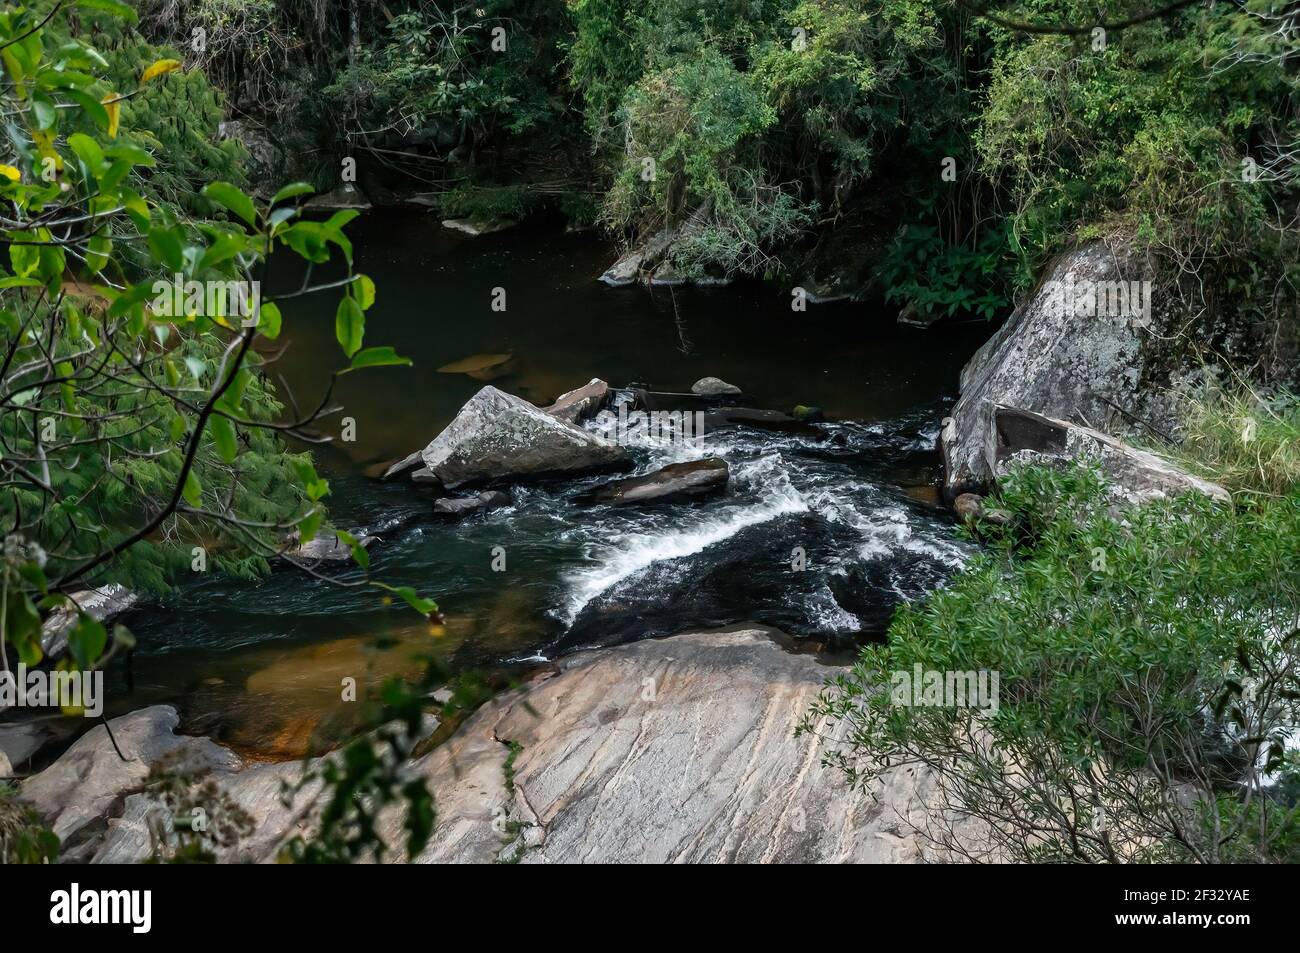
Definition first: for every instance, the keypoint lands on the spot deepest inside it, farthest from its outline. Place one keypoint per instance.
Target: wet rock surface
(671, 484)
(499, 437)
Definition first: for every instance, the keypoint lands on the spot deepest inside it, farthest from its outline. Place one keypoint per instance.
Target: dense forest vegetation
(934, 153)
(772, 127)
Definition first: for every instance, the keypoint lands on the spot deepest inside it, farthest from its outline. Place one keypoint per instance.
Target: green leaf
(308, 526)
(377, 357)
(87, 641)
(349, 326)
(166, 244)
(268, 323)
(115, 8)
(359, 553)
(223, 435)
(364, 289)
(232, 199)
(413, 599)
(88, 152)
(292, 191)
(193, 491)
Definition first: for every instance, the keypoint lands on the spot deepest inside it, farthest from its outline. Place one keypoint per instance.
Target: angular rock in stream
(580, 403)
(670, 484)
(498, 436)
(1045, 360)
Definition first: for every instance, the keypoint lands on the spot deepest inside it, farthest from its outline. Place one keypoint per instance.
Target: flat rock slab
(679, 749)
(1132, 475)
(670, 750)
(671, 484)
(500, 437)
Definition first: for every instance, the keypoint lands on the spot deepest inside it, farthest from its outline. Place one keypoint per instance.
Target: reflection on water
(261, 664)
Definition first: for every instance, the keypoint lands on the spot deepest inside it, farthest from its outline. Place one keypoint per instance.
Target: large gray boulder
(1048, 361)
(671, 750)
(499, 437)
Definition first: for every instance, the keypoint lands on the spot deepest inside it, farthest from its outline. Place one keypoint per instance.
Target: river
(259, 665)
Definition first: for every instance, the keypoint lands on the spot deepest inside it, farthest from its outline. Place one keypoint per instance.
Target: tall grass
(1244, 441)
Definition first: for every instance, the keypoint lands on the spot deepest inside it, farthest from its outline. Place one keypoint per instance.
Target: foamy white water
(625, 555)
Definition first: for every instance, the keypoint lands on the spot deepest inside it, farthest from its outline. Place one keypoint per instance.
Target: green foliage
(138, 425)
(23, 838)
(1147, 678)
(698, 122)
(921, 270)
(1150, 135)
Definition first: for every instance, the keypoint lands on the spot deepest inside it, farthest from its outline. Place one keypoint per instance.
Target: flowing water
(259, 665)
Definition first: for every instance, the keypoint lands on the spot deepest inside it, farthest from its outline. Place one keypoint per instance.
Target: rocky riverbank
(677, 749)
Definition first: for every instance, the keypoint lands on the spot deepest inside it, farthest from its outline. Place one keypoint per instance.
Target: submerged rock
(670, 484)
(714, 387)
(465, 505)
(103, 605)
(498, 436)
(476, 227)
(1022, 437)
(772, 420)
(327, 548)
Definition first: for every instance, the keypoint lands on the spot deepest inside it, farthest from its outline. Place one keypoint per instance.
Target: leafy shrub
(1148, 681)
